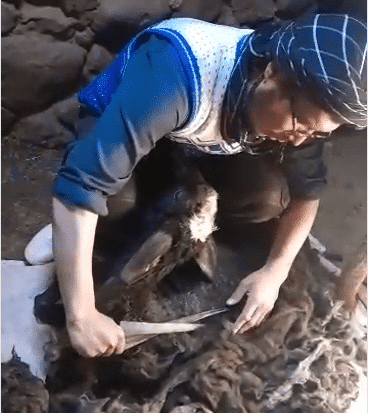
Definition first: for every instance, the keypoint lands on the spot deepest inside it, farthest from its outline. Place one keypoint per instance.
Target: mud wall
(50, 48)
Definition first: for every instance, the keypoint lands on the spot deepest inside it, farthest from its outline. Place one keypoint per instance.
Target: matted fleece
(308, 356)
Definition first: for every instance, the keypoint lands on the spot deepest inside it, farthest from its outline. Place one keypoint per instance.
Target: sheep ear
(206, 256)
(144, 261)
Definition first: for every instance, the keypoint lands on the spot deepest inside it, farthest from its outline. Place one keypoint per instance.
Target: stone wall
(50, 48)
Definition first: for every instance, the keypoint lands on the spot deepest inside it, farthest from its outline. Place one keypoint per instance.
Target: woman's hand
(96, 335)
(262, 288)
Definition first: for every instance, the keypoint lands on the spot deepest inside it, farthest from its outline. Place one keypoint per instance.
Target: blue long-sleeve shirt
(152, 100)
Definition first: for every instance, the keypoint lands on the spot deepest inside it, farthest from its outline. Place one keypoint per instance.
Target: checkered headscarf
(326, 53)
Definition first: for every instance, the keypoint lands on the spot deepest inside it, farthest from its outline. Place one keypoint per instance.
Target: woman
(224, 91)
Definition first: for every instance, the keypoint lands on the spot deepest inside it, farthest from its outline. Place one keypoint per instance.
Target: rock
(199, 9)
(116, 22)
(49, 20)
(7, 120)
(67, 111)
(175, 4)
(129, 12)
(76, 7)
(54, 127)
(227, 17)
(87, 18)
(16, 3)
(42, 129)
(253, 11)
(85, 38)
(97, 59)
(38, 71)
(9, 16)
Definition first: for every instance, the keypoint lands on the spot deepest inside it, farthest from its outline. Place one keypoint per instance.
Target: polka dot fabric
(211, 52)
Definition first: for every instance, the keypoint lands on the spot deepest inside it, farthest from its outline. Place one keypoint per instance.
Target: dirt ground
(27, 175)
(28, 172)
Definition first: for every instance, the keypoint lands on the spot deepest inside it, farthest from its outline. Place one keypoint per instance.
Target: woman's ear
(270, 71)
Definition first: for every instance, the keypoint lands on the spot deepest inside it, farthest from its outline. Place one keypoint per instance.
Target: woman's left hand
(262, 288)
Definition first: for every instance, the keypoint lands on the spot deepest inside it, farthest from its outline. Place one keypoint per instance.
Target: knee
(269, 207)
(260, 205)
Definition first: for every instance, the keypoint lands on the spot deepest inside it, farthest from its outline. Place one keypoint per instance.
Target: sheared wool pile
(306, 357)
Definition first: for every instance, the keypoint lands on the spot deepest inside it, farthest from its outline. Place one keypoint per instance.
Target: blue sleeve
(150, 102)
(305, 170)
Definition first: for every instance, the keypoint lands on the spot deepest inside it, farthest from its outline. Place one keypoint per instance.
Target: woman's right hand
(96, 335)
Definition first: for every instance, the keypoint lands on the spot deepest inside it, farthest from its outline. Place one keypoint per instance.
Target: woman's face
(282, 113)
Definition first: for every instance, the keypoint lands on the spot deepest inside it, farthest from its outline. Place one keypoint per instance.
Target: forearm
(73, 239)
(293, 229)
(262, 286)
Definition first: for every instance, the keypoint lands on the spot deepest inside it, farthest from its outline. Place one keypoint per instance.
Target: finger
(238, 294)
(84, 351)
(263, 318)
(245, 316)
(121, 344)
(255, 321)
(109, 351)
(87, 353)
